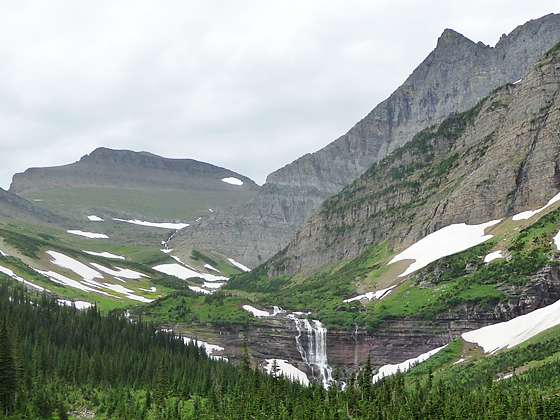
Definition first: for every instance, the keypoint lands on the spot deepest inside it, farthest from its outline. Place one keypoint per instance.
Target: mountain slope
(452, 78)
(13, 207)
(130, 184)
(499, 158)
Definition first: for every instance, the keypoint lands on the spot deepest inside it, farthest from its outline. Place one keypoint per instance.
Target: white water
(314, 353)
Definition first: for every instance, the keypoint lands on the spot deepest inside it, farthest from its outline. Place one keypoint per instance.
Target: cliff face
(451, 79)
(394, 341)
(499, 158)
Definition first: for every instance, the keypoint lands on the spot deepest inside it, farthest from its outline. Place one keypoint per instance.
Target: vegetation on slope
(56, 362)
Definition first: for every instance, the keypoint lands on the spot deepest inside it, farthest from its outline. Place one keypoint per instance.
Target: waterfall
(313, 349)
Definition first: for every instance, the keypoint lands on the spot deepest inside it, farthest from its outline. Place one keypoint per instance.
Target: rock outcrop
(499, 158)
(453, 77)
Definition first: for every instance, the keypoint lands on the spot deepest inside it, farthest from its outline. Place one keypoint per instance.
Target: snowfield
(105, 255)
(233, 181)
(287, 370)
(238, 265)
(388, 370)
(65, 281)
(256, 312)
(127, 292)
(377, 295)
(91, 235)
(82, 270)
(496, 255)
(14, 276)
(183, 272)
(162, 225)
(508, 334)
(94, 218)
(120, 272)
(209, 348)
(197, 289)
(530, 213)
(209, 267)
(78, 304)
(442, 243)
(556, 241)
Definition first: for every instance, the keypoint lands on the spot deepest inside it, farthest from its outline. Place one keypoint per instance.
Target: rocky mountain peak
(450, 38)
(452, 78)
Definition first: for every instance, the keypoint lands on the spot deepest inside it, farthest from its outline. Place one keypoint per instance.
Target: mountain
(453, 78)
(497, 159)
(127, 184)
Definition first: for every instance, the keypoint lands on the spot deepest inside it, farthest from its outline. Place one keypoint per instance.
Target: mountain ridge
(452, 78)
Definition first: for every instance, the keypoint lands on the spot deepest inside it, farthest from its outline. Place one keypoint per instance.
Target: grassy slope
(26, 244)
(157, 204)
(449, 282)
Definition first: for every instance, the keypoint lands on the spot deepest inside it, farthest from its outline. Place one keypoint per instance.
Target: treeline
(59, 363)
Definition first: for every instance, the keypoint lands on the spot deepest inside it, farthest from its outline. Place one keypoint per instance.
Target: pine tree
(161, 384)
(8, 373)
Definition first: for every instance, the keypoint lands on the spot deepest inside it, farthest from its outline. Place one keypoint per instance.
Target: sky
(248, 85)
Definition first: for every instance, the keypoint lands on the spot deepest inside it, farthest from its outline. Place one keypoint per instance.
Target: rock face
(453, 77)
(137, 184)
(497, 159)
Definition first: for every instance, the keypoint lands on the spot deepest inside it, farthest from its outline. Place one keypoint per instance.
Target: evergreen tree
(8, 372)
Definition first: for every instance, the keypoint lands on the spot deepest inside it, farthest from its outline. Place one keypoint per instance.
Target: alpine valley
(410, 269)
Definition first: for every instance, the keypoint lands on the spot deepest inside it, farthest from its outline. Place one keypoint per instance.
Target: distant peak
(451, 37)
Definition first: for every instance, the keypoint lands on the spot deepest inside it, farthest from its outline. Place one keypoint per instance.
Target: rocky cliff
(499, 158)
(454, 76)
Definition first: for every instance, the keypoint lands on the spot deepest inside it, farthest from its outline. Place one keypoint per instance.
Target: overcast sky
(249, 85)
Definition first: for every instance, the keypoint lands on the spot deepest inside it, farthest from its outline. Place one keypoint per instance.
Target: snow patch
(162, 225)
(213, 285)
(442, 243)
(238, 265)
(150, 290)
(286, 370)
(91, 235)
(197, 289)
(184, 273)
(94, 218)
(3, 254)
(557, 241)
(508, 334)
(377, 295)
(76, 266)
(78, 304)
(388, 370)
(256, 312)
(233, 181)
(105, 255)
(65, 281)
(126, 292)
(496, 255)
(120, 272)
(517, 81)
(530, 213)
(14, 276)
(209, 267)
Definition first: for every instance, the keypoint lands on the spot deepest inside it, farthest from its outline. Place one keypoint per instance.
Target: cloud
(249, 85)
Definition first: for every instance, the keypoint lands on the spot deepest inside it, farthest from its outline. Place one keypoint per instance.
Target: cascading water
(314, 350)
